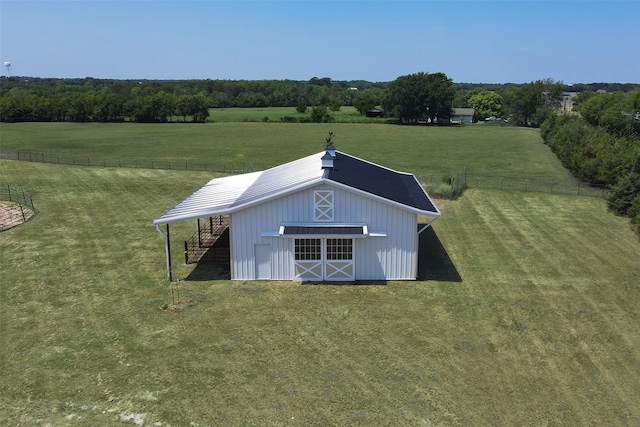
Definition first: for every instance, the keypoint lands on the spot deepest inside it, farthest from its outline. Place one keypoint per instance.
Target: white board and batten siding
(389, 255)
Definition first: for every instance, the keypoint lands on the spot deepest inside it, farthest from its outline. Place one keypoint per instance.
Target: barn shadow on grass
(213, 259)
(434, 262)
(206, 270)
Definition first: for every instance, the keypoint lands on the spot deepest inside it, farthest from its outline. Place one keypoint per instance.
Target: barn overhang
(332, 230)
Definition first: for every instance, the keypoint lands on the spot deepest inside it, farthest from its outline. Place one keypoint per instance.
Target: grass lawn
(277, 114)
(428, 152)
(274, 114)
(530, 316)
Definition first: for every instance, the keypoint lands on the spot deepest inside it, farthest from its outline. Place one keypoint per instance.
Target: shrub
(634, 213)
(623, 198)
(320, 114)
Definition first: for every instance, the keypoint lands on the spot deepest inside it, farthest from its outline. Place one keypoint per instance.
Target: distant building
(375, 112)
(462, 115)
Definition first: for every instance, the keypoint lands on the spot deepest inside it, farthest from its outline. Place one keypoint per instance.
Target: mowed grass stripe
(572, 255)
(519, 342)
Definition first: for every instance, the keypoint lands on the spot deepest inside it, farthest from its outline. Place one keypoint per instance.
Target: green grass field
(527, 313)
(428, 152)
(347, 114)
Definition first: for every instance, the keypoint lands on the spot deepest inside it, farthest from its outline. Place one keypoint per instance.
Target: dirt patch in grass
(178, 306)
(12, 214)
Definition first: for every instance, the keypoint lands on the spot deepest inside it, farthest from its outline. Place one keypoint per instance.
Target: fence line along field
(507, 152)
(526, 312)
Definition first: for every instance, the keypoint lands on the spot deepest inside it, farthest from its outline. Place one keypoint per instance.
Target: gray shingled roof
(399, 187)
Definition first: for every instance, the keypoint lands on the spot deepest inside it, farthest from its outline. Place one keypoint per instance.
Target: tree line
(411, 97)
(103, 100)
(601, 145)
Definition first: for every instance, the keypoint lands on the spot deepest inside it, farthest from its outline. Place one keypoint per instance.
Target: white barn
(326, 217)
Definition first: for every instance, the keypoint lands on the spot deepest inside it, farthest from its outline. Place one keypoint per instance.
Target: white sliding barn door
(308, 259)
(338, 263)
(324, 259)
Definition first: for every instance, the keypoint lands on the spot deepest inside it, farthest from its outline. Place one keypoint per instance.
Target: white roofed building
(326, 217)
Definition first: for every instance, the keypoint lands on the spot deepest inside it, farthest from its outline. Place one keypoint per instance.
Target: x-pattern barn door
(323, 205)
(324, 259)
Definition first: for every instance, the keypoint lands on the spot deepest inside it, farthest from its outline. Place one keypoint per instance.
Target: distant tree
(195, 106)
(81, 108)
(10, 108)
(325, 81)
(526, 99)
(320, 114)
(595, 106)
(109, 107)
(163, 105)
(301, 105)
(220, 100)
(364, 101)
(183, 107)
(582, 97)
(407, 98)
(486, 104)
(335, 104)
(318, 94)
(618, 112)
(420, 95)
(199, 108)
(461, 100)
(441, 95)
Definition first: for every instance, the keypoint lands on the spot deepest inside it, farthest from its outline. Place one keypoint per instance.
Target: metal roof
(338, 230)
(226, 195)
(402, 188)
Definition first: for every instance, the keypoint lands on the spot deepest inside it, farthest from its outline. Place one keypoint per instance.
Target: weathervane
(329, 138)
(329, 143)
(330, 148)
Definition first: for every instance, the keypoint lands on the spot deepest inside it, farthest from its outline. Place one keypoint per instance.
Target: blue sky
(470, 41)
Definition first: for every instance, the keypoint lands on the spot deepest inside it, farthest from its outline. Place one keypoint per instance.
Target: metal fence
(20, 208)
(538, 185)
(211, 240)
(17, 195)
(41, 157)
(455, 184)
(448, 188)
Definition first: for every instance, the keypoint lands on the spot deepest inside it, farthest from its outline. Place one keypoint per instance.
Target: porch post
(167, 249)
